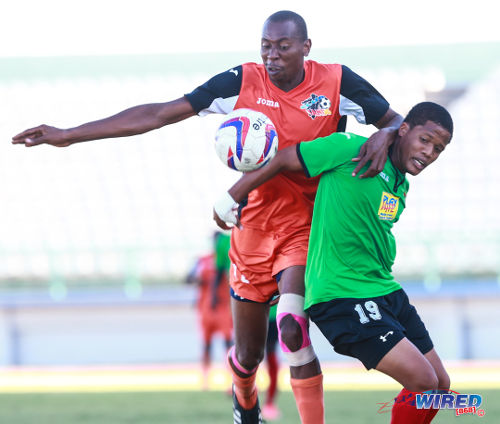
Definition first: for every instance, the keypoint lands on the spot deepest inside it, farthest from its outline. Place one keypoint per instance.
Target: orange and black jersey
(315, 108)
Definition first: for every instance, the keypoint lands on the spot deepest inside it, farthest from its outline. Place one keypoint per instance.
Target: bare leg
(443, 380)
(250, 327)
(442, 375)
(250, 332)
(206, 362)
(406, 364)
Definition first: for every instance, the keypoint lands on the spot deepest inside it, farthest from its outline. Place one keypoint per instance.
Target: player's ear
(403, 129)
(307, 47)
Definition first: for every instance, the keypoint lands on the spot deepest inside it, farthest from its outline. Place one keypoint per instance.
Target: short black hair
(288, 15)
(430, 111)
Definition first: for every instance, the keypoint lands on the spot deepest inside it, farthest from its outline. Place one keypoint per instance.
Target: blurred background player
(214, 310)
(270, 410)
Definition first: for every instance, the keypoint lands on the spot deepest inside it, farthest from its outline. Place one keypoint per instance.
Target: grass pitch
(213, 407)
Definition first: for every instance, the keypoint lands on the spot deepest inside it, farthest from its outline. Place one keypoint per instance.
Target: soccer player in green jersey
(351, 294)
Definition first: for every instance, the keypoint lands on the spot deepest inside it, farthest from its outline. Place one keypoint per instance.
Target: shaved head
(289, 16)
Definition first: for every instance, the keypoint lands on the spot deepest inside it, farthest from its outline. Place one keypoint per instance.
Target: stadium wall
(162, 329)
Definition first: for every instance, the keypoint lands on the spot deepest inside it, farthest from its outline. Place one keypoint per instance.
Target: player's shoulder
(253, 65)
(226, 77)
(354, 138)
(346, 137)
(323, 73)
(350, 77)
(233, 72)
(339, 142)
(253, 68)
(320, 65)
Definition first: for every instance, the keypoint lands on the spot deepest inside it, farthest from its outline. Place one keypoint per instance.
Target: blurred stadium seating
(137, 211)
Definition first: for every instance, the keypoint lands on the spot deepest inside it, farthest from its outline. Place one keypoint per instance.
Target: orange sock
(245, 390)
(308, 394)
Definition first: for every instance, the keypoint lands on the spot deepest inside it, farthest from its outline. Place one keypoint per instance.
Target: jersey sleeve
(327, 153)
(360, 99)
(219, 94)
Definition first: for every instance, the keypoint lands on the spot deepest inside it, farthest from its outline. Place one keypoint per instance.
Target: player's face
(420, 146)
(283, 54)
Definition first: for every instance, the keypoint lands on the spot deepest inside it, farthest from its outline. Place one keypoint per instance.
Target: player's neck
(395, 156)
(290, 84)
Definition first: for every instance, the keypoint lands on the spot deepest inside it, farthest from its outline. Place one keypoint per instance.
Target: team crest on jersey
(316, 105)
(388, 207)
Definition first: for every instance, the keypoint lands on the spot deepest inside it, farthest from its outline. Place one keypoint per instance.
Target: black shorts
(367, 329)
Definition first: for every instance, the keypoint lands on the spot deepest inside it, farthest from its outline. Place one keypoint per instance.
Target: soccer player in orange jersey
(305, 100)
(213, 303)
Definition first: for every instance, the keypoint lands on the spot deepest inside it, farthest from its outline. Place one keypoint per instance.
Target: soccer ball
(246, 140)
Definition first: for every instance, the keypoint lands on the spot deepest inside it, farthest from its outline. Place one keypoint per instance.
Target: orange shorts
(257, 256)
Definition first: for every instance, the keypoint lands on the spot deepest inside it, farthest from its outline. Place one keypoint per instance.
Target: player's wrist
(70, 136)
(390, 135)
(225, 207)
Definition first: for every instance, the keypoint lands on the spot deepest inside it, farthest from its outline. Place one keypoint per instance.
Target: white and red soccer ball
(246, 140)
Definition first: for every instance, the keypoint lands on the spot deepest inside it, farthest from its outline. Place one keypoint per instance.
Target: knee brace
(293, 305)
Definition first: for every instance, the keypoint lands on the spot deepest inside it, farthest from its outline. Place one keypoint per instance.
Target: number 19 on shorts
(372, 311)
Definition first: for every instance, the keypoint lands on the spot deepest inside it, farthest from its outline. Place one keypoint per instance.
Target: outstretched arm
(136, 120)
(376, 147)
(224, 210)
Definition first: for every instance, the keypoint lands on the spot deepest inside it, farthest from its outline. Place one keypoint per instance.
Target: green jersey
(222, 245)
(273, 312)
(351, 246)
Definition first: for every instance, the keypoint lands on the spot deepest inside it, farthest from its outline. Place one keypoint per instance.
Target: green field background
(212, 407)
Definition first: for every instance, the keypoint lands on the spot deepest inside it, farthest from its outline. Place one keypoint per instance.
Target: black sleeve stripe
(301, 159)
(341, 126)
(221, 86)
(361, 92)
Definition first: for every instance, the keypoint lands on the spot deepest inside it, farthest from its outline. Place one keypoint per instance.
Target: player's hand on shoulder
(43, 134)
(226, 212)
(374, 149)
